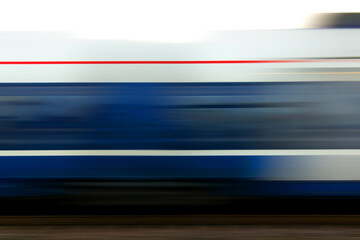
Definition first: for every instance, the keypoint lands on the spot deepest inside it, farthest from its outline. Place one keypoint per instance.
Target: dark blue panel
(120, 167)
(179, 116)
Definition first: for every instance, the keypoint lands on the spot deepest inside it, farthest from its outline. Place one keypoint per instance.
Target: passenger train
(237, 114)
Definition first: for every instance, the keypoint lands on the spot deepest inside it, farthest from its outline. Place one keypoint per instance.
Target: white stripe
(300, 152)
(165, 73)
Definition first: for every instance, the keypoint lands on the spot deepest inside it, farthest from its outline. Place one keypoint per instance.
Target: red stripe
(158, 62)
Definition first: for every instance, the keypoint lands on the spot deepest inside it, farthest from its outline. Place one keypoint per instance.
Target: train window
(274, 116)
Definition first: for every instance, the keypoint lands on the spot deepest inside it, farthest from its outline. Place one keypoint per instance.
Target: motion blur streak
(180, 62)
(87, 122)
(260, 152)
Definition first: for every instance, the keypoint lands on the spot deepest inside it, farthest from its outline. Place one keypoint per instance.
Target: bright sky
(141, 19)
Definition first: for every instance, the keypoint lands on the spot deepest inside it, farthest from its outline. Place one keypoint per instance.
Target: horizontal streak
(168, 219)
(305, 152)
(172, 62)
(243, 105)
(291, 73)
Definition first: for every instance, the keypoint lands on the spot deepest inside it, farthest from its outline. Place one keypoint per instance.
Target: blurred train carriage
(185, 131)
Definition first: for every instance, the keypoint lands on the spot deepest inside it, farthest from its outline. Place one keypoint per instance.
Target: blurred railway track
(181, 220)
